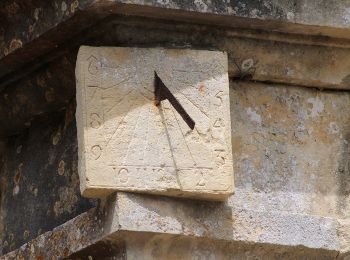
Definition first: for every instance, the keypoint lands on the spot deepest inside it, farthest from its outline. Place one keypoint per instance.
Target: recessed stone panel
(133, 137)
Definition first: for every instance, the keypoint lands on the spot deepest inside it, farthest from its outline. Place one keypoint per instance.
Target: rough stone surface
(324, 13)
(32, 29)
(291, 149)
(290, 144)
(126, 142)
(251, 55)
(39, 179)
(64, 240)
(156, 246)
(290, 182)
(220, 221)
(127, 218)
(52, 86)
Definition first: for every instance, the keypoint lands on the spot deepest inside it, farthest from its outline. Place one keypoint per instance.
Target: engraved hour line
(147, 131)
(148, 99)
(192, 102)
(159, 167)
(157, 142)
(194, 105)
(170, 146)
(120, 122)
(188, 71)
(114, 85)
(93, 95)
(120, 100)
(183, 136)
(117, 84)
(134, 133)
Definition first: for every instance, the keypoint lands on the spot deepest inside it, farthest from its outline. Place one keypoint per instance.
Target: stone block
(169, 136)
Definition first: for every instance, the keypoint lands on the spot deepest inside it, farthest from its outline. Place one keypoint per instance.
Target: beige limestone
(127, 143)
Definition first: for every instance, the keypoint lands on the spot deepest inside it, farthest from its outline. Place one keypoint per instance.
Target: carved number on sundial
(218, 98)
(96, 120)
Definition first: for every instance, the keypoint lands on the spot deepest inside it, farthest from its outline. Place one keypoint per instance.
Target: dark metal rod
(161, 93)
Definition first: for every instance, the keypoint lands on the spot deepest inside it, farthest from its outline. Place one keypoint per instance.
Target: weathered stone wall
(146, 246)
(39, 179)
(291, 164)
(290, 148)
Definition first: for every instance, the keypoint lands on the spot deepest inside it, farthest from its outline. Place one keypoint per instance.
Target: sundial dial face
(154, 121)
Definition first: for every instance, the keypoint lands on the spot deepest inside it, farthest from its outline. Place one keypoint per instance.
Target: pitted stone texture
(291, 149)
(127, 214)
(220, 221)
(172, 247)
(128, 143)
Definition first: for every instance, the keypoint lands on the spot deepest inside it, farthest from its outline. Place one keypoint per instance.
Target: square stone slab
(129, 142)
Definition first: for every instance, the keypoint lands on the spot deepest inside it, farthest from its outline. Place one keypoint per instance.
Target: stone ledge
(218, 221)
(303, 17)
(25, 41)
(160, 215)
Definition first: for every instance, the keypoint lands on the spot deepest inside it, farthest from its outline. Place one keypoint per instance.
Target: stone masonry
(288, 113)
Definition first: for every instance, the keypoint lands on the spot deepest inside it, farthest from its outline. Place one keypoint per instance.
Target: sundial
(154, 120)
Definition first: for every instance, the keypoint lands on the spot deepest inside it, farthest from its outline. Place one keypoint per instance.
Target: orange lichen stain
(34, 190)
(56, 208)
(201, 89)
(57, 137)
(175, 52)
(39, 257)
(18, 174)
(66, 252)
(3, 183)
(82, 239)
(61, 166)
(15, 44)
(12, 8)
(74, 6)
(30, 29)
(26, 234)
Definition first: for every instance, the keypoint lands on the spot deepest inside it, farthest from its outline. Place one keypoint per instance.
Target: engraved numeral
(94, 90)
(219, 123)
(96, 120)
(93, 66)
(123, 175)
(201, 180)
(220, 156)
(96, 151)
(218, 100)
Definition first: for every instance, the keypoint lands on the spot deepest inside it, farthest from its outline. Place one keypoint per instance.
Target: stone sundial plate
(128, 143)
